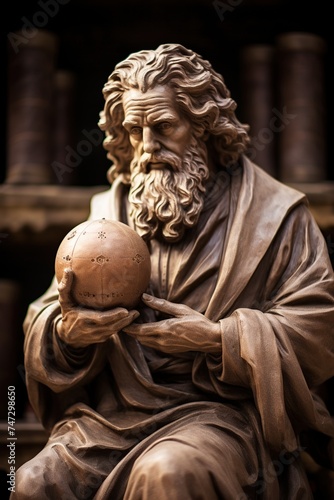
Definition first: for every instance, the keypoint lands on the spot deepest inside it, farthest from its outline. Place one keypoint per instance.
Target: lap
(198, 461)
(213, 445)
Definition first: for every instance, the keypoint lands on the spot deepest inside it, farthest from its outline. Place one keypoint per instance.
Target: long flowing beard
(166, 202)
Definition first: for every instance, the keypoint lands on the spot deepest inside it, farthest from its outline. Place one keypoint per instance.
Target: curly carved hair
(200, 93)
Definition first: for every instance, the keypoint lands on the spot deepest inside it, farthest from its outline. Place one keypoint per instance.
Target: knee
(169, 471)
(33, 477)
(29, 482)
(160, 462)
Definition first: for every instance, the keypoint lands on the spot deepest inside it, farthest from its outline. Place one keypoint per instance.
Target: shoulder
(282, 206)
(262, 208)
(99, 203)
(268, 194)
(270, 189)
(101, 197)
(108, 203)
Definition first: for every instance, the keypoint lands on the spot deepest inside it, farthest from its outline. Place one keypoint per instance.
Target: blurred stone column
(31, 68)
(301, 84)
(63, 126)
(257, 62)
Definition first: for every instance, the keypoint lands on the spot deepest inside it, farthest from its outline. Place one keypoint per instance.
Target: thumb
(64, 289)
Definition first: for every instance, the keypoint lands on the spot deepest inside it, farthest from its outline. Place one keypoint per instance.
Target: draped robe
(257, 263)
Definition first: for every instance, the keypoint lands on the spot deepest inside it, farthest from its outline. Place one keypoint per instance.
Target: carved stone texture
(110, 262)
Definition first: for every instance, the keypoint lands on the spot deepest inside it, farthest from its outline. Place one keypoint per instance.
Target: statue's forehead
(159, 96)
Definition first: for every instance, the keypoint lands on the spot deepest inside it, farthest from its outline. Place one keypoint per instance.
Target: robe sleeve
(56, 374)
(281, 346)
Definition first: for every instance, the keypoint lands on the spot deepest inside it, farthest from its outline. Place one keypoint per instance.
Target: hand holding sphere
(102, 268)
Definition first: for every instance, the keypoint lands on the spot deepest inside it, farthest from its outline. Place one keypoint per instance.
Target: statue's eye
(164, 126)
(136, 131)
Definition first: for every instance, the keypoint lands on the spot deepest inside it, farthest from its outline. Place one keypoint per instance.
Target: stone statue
(213, 387)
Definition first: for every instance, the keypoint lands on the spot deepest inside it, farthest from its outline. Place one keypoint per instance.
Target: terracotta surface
(110, 263)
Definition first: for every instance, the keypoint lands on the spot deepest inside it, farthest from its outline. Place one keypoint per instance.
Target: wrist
(215, 344)
(63, 337)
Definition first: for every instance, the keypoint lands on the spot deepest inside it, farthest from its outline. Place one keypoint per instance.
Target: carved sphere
(110, 262)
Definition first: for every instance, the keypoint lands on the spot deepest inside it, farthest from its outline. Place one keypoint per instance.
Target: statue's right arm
(49, 360)
(65, 340)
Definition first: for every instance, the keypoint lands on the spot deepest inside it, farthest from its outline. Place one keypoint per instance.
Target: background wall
(95, 35)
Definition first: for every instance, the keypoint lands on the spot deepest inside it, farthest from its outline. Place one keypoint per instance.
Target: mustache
(173, 161)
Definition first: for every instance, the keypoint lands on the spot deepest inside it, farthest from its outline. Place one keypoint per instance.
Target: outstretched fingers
(166, 307)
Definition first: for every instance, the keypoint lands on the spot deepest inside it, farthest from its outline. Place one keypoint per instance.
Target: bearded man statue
(212, 388)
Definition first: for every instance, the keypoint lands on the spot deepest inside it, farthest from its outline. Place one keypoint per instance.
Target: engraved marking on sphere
(100, 259)
(72, 235)
(138, 258)
(67, 257)
(101, 235)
